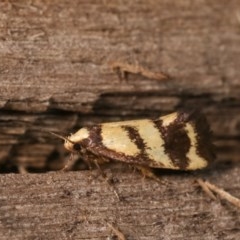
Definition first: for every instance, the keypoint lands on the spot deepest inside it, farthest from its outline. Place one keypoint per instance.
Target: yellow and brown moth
(180, 141)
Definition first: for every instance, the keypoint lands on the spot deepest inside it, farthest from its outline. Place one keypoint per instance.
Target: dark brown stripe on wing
(136, 138)
(205, 147)
(94, 145)
(176, 142)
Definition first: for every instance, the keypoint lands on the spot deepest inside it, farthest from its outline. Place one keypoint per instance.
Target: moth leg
(96, 162)
(88, 160)
(69, 163)
(22, 169)
(148, 172)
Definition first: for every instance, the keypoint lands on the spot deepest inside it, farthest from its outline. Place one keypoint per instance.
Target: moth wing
(176, 141)
(135, 142)
(188, 139)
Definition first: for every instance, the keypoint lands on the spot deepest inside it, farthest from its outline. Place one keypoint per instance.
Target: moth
(178, 141)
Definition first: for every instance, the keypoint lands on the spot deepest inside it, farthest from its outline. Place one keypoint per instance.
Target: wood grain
(79, 205)
(56, 69)
(56, 75)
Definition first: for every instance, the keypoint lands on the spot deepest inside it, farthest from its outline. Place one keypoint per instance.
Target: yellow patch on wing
(116, 138)
(168, 119)
(154, 143)
(79, 135)
(196, 162)
(76, 137)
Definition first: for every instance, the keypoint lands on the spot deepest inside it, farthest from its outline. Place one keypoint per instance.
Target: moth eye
(77, 147)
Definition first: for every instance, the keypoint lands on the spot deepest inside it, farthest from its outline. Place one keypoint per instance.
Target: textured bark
(55, 71)
(77, 206)
(56, 75)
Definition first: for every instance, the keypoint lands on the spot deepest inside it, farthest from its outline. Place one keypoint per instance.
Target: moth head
(72, 146)
(69, 144)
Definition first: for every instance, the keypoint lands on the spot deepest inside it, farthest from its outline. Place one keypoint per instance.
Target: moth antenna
(61, 137)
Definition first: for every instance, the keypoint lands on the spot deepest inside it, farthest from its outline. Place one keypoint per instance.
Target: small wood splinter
(209, 188)
(123, 69)
(117, 232)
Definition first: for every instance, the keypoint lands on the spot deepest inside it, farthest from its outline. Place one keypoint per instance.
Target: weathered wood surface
(77, 206)
(55, 72)
(55, 76)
